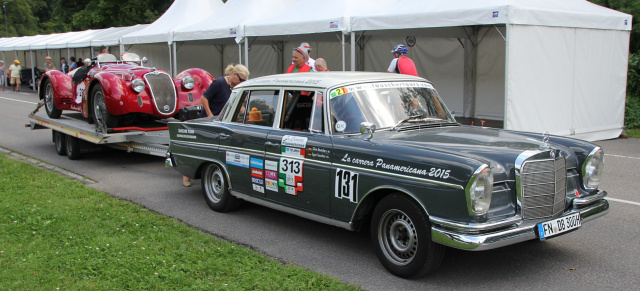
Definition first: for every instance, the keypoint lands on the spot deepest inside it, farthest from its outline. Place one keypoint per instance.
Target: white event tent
(544, 65)
(156, 40)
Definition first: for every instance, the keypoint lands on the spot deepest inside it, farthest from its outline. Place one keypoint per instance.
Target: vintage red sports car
(110, 92)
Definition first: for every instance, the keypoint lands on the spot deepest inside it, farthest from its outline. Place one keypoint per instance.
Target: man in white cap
(298, 64)
(48, 65)
(309, 61)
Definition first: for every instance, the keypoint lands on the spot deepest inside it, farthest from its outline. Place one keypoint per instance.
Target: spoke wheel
(216, 191)
(101, 116)
(401, 233)
(49, 103)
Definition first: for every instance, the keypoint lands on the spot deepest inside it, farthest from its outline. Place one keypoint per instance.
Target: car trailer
(73, 135)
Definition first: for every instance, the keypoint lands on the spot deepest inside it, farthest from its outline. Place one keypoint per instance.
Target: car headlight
(592, 169)
(479, 191)
(138, 85)
(188, 82)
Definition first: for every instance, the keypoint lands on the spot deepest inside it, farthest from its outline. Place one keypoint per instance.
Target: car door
(298, 154)
(243, 137)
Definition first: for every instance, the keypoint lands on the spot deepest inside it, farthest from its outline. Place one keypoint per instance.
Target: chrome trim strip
(257, 152)
(476, 227)
(580, 202)
(178, 142)
(301, 213)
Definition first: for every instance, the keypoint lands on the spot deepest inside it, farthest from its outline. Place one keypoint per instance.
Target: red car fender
(61, 85)
(202, 81)
(118, 97)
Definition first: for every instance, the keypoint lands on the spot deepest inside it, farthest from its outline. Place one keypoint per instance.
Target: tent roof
(326, 16)
(229, 20)
(63, 39)
(432, 13)
(182, 13)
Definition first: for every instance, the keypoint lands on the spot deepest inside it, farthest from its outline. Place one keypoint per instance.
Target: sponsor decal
(316, 152)
(341, 126)
(255, 180)
(256, 163)
(237, 159)
(411, 41)
(292, 152)
(232, 31)
(258, 188)
(346, 186)
(186, 133)
(271, 165)
(271, 185)
(333, 24)
(256, 173)
(271, 174)
(382, 85)
(294, 141)
(290, 175)
(495, 14)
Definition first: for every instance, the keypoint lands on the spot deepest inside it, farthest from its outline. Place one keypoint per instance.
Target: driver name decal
(294, 141)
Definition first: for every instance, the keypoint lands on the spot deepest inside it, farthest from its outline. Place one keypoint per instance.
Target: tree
(630, 7)
(109, 13)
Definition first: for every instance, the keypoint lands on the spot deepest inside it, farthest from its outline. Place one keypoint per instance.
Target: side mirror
(144, 60)
(367, 127)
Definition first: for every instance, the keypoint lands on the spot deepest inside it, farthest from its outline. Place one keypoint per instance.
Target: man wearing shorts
(15, 72)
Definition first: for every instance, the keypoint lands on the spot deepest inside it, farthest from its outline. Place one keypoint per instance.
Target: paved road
(604, 254)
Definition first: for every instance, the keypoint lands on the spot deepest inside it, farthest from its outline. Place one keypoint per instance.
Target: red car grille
(163, 92)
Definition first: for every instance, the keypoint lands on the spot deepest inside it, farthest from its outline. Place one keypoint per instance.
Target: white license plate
(560, 225)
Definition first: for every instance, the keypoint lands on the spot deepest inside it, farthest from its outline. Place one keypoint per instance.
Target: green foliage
(59, 234)
(630, 7)
(632, 113)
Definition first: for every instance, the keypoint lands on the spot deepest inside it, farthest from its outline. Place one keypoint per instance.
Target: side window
(257, 107)
(317, 115)
(298, 108)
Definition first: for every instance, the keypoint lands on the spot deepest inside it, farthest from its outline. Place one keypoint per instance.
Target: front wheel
(49, 103)
(216, 190)
(401, 233)
(100, 115)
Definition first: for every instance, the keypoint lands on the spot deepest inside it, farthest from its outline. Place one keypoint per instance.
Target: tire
(60, 141)
(216, 191)
(401, 234)
(99, 113)
(73, 147)
(49, 103)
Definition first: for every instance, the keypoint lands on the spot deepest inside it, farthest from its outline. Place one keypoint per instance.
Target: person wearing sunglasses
(219, 91)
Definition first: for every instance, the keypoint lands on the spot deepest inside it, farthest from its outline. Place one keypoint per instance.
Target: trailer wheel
(60, 141)
(49, 104)
(216, 191)
(72, 147)
(99, 113)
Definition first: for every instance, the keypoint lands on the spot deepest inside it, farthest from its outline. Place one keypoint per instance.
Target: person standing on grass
(15, 71)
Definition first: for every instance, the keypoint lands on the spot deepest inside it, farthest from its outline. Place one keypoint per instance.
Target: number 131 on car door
(346, 185)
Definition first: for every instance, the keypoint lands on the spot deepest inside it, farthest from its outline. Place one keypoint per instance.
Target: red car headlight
(138, 85)
(188, 82)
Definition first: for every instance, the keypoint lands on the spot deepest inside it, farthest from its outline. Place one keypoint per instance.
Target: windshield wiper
(416, 118)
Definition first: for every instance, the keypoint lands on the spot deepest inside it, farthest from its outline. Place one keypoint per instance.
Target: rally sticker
(258, 188)
(256, 173)
(237, 159)
(292, 152)
(290, 175)
(294, 141)
(271, 185)
(346, 186)
(368, 86)
(80, 92)
(256, 163)
(271, 165)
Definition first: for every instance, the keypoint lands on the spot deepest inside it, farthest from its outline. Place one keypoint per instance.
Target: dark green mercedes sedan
(382, 151)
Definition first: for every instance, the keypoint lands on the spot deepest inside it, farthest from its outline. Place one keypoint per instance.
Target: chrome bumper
(168, 161)
(479, 238)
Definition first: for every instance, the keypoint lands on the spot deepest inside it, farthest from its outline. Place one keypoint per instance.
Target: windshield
(130, 57)
(386, 105)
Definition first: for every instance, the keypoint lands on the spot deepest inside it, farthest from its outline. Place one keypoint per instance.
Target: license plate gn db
(559, 225)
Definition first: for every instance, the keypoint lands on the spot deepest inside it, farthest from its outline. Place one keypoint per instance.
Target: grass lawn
(633, 132)
(57, 233)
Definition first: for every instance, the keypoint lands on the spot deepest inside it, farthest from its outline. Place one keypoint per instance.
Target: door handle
(223, 136)
(271, 144)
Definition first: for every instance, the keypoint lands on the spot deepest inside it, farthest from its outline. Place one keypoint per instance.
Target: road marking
(619, 156)
(19, 100)
(623, 201)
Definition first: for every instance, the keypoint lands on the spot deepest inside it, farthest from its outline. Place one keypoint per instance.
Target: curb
(43, 165)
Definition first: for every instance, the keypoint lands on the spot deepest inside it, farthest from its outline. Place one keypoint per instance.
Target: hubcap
(100, 109)
(48, 97)
(397, 237)
(214, 184)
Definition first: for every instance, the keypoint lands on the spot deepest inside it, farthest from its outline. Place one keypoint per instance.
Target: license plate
(560, 225)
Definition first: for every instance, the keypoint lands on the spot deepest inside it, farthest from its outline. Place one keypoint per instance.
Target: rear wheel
(72, 147)
(60, 141)
(100, 115)
(216, 190)
(49, 103)
(401, 233)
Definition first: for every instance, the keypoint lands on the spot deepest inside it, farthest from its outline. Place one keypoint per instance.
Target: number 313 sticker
(346, 185)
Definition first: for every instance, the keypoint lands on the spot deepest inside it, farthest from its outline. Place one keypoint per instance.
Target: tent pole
(240, 53)
(175, 59)
(170, 58)
(353, 51)
(246, 52)
(33, 70)
(343, 53)
(505, 124)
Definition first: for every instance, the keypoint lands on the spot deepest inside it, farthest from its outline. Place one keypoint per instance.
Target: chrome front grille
(543, 186)
(162, 91)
